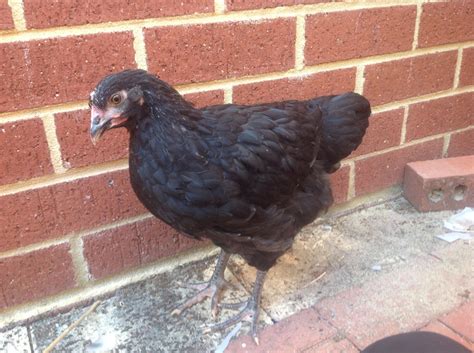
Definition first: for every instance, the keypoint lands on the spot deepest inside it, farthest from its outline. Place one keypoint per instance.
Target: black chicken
(246, 177)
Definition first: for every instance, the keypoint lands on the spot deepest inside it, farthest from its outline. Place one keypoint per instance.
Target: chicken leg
(249, 312)
(211, 289)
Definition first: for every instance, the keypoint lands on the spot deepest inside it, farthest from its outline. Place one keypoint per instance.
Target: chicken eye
(116, 98)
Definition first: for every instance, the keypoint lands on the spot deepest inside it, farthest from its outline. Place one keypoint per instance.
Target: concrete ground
(350, 279)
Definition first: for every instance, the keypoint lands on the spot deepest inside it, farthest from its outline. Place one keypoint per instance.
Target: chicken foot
(211, 289)
(249, 312)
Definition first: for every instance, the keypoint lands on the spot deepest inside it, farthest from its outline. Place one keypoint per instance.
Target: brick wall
(68, 217)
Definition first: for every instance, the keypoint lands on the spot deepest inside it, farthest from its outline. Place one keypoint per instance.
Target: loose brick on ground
(52, 71)
(440, 115)
(36, 215)
(232, 5)
(203, 99)
(466, 77)
(399, 79)
(50, 13)
(381, 171)
(446, 22)
(461, 143)
(208, 52)
(35, 275)
(25, 152)
(442, 184)
(128, 246)
(384, 131)
(298, 332)
(6, 19)
(72, 129)
(311, 86)
(355, 34)
(340, 184)
(458, 320)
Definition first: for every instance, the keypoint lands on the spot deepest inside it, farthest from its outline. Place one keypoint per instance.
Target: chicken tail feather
(345, 120)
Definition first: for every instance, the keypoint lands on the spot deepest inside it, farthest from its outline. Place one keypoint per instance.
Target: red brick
(293, 334)
(442, 329)
(59, 70)
(25, 152)
(360, 318)
(440, 115)
(446, 177)
(447, 22)
(222, 50)
(233, 5)
(36, 274)
(128, 246)
(36, 215)
(400, 79)
(203, 99)
(466, 77)
(384, 131)
(50, 13)
(6, 19)
(355, 34)
(461, 320)
(386, 169)
(77, 150)
(306, 87)
(340, 184)
(461, 143)
(397, 301)
(333, 346)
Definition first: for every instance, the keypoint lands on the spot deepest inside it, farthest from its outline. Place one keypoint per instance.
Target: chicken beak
(99, 123)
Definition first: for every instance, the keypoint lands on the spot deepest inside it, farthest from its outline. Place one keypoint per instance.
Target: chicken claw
(212, 289)
(248, 313)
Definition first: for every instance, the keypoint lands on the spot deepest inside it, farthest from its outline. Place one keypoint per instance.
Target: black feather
(247, 177)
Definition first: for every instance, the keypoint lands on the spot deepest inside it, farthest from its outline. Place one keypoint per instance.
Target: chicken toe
(249, 312)
(212, 289)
